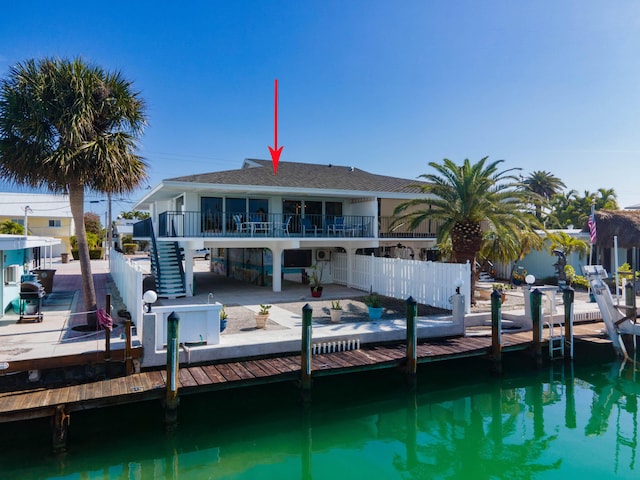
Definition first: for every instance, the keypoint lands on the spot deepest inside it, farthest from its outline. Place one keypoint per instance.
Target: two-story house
(46, 215)
(260, 226)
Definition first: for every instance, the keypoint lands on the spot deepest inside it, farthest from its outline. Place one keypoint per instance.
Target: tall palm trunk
(76, 201)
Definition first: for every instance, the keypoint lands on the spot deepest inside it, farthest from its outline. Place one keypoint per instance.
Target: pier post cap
(411, 300)
(173, 317)
(496, 294)
(307, 308)
(537, 292)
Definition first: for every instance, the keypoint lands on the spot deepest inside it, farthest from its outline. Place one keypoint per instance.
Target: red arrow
(275, 151)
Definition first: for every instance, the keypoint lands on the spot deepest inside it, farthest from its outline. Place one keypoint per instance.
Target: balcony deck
(274, 226)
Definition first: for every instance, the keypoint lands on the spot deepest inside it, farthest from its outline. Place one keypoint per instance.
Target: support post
(173, 364)
(630, 298)
(630, 302)
(568, 295)
(128, 360)
(305, 380)
(60, 429)
(412, 341)
(496, 331)
(107, 338)
(536, 317)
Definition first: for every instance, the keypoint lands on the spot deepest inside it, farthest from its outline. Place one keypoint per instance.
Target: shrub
(130, 248)
(581, 282)
(94, 254)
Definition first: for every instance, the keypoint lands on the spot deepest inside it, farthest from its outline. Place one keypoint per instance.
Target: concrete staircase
(166, 266)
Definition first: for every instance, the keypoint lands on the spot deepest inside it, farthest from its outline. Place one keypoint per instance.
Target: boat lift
(617, 323)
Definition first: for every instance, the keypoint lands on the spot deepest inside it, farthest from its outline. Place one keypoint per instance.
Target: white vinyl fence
(128, 279)
(430, 283)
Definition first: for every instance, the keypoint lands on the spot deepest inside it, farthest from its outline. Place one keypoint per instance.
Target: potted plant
(315, 280)
(336, 311)
(262, 316)
(500, 288)
(223, 319)
(372, 301)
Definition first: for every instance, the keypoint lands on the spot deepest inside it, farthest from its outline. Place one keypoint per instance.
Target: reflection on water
(558, 423)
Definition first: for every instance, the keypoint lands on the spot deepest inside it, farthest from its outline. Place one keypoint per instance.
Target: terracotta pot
(261, 320)
(316, 292)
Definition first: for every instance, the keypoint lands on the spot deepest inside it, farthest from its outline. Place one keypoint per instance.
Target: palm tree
(500, 246)
(544, 185)
(68, 126)
(12, 228)
(466, 197)
(568, 244)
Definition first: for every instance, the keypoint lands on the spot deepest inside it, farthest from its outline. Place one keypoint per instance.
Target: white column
(188, 270)
(276, 254)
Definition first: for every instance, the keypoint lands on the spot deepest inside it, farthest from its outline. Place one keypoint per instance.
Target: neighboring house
(46, 216)
(540, 264)
(621, 228)
(260, 226)
(18, 255)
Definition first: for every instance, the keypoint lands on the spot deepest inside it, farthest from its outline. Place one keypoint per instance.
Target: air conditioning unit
(323, 255)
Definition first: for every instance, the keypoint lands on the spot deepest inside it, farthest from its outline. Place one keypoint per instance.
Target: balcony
(272, 225)
(427, 229)
(242, 225)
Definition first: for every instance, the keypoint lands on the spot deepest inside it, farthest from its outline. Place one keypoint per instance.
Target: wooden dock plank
(328, 361)
(156, 379)
(243, 372)
(121, 384)
(334, 360)
(257, 369)
(228, 373)
(185, 378)
(59, 396)
(143, 378)
(292, 362)
(280, 366)
(14, 401)
(214, 374)
(200, 376)
(135, 384)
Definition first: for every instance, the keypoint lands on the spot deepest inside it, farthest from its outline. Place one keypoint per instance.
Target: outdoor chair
(241, 227)
(308, 227)
(283, 228)
(338, 227)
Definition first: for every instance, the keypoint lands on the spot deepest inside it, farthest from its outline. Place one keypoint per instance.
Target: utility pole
(27, 210)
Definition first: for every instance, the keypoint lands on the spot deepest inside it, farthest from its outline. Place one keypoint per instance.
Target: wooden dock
(60, 402)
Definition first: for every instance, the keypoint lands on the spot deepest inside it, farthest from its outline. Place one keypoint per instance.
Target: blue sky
(386, 86)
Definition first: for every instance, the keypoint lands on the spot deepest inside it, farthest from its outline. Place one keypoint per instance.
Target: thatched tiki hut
(624, 224)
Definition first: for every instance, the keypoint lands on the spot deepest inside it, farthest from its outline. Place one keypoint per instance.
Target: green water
(460, 422)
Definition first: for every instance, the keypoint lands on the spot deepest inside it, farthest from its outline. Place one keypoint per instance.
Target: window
(55, 223)
(211, 208)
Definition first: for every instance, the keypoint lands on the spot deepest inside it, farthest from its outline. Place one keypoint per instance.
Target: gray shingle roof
(304, 175)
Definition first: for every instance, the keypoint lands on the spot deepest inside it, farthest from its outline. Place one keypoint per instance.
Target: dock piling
(173, 364)
(305, 370)
(412, 341)
(496, 332)
(536, 317)
(568, 295)
(107, 338)
(60, 429)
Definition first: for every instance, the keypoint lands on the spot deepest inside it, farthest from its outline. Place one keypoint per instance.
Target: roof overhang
(20, 242)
